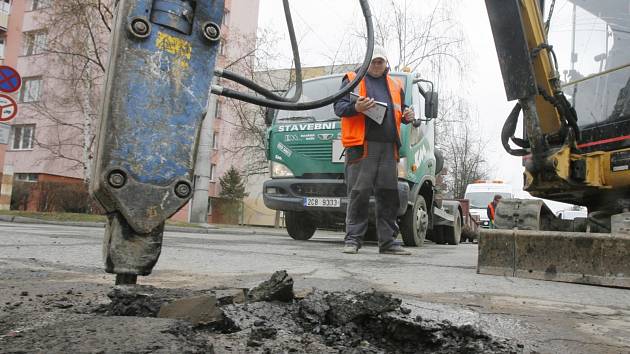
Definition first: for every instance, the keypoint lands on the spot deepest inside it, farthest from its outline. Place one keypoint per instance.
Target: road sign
(10, 80)
(5, 129)
(8, 108)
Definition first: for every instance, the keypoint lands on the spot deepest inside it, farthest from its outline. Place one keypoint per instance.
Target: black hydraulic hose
(232, 76)
(507, 133)
(226, 74)
(290, 106)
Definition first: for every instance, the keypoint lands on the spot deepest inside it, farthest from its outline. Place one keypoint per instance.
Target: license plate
(322, 202)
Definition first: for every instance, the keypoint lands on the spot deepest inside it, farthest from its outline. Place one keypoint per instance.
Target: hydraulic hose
(291, 106)
(507, 133)
(296, 58)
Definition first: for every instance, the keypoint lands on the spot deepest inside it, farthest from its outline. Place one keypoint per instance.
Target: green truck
(307, 168)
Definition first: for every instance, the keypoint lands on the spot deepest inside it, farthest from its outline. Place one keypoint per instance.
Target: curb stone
(208, 229)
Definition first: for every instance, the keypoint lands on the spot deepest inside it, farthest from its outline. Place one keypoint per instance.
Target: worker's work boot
(396, 250)
(350, 249)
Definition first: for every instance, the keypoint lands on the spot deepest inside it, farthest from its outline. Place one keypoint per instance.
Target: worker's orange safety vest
(353, 127)
(491, 211)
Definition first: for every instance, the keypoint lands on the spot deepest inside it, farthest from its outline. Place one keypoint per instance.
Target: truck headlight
(279, 170)
(402, 167)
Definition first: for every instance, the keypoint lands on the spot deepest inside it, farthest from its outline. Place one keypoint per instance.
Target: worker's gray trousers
(375, 172)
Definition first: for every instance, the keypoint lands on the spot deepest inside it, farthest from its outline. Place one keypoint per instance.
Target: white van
(480, 194)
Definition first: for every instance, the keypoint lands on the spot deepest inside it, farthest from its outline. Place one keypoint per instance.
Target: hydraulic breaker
(161, 63)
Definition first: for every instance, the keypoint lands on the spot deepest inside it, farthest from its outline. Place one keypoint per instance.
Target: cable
(290, 106)
(548, 22)
(296, 58)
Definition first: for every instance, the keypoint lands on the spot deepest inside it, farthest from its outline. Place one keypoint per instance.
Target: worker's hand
(363, 104)
(408, 115)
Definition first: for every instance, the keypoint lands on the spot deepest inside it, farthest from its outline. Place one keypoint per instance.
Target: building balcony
(4, 21)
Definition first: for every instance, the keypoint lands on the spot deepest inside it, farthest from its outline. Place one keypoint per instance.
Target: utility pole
(199, 207)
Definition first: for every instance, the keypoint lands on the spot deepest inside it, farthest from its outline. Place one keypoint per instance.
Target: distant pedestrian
(492, 207)
(372, 153)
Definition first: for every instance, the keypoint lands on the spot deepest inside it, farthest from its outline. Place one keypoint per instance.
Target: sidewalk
(202, 229)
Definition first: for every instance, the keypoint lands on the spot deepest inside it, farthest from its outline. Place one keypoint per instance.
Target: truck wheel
(299, 225)
(452, 235)
(467, 234)
(413, 227)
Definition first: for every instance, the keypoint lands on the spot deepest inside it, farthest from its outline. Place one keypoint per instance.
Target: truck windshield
(480, 200)
(314, 90)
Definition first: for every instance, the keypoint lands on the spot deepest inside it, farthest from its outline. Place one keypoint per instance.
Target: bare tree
(466, 160)
(247, 125)
(76, 50)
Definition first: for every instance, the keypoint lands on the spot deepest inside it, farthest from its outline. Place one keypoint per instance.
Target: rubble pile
(270, 318)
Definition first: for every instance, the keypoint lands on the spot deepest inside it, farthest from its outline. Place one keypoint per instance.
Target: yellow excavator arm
(555, 167)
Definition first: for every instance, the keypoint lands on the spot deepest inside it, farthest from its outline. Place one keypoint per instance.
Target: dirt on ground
(88, 317)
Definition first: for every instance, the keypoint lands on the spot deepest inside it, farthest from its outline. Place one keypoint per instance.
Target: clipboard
(376, 113)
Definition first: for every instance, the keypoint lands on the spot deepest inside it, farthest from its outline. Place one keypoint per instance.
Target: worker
(371, 153)
(492, 207)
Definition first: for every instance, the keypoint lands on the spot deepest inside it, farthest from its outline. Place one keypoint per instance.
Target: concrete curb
(209, 229)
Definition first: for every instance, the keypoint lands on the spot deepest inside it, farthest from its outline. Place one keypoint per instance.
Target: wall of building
(241, 21)
(12, 37)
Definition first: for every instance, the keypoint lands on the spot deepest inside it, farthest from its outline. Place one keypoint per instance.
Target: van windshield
(480, 200)
(316, 89)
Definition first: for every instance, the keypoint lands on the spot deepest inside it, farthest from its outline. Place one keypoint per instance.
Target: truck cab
(307, 163)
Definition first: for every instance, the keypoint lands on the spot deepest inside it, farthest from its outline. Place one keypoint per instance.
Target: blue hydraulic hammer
(161, 64)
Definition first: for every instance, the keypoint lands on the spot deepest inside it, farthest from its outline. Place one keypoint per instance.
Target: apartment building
(52, 138)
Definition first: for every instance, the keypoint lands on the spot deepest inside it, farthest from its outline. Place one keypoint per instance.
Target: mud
(95, 318)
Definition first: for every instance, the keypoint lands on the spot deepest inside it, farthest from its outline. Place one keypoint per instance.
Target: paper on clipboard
(376, 113)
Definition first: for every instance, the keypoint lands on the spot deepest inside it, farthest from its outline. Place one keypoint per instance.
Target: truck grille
(319, 190)
(321, 152)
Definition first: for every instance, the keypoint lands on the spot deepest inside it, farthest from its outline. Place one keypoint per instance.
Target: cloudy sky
(322, 25)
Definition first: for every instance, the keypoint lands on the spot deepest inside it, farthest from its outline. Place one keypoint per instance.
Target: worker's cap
(497, 196)
(379, 52)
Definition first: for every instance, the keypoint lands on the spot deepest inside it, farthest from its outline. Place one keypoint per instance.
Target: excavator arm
(560, 162)
(530, 75)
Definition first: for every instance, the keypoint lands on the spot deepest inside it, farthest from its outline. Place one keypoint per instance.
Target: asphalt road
(437, 281)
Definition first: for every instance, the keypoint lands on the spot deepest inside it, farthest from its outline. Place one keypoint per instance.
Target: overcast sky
(321, 25)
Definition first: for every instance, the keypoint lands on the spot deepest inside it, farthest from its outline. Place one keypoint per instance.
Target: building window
(39, 4)
(222, 48)
(213, 167)
(5, 6)
(22, 137)
(217, 108)
(31, 89)
(26, 177)
(2, 42)
(35, 42)
(226, 17)
(215, 142)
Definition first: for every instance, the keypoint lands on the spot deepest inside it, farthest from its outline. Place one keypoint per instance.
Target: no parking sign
(8, 108)
(10, 80)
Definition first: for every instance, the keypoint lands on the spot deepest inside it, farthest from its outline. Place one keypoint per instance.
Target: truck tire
(452, 235)
(300, 225)
(413, 227)
(468, 234)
